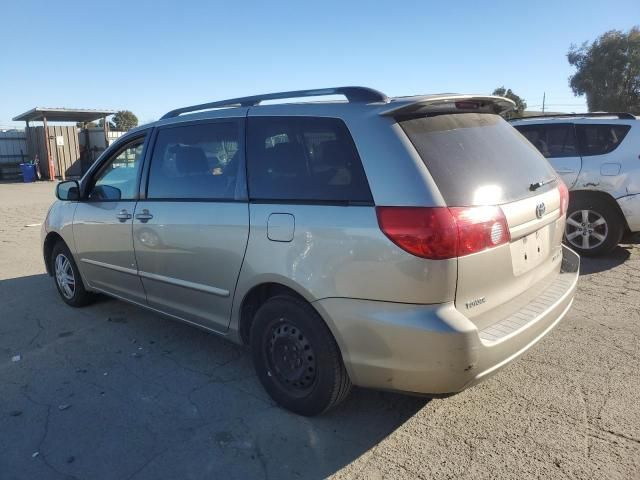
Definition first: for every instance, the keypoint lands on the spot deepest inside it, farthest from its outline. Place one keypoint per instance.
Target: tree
(125, 120)
(521, 105)
(608, 71)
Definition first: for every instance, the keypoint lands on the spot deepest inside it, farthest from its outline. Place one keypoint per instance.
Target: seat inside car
(333, 163)
(192, 176)
(191, 161)
(283, 166)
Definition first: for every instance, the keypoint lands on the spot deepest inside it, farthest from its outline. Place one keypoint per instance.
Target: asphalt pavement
(111, 391)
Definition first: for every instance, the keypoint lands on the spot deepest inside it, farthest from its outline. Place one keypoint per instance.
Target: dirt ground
(114, 392)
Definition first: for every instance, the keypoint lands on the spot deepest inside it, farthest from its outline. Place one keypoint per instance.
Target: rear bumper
(435, 349)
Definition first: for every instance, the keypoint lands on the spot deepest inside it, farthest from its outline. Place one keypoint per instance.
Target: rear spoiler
(450, 103)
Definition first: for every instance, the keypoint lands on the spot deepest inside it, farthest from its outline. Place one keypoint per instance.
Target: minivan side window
(196, 161)
(600, 139)
(552, 140)
(117, 179)
(304, 159)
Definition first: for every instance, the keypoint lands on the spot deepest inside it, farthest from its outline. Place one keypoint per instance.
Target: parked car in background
(598, 157)
(410, 243)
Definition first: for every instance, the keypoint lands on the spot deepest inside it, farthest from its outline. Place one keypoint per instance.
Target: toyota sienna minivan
(410, 244)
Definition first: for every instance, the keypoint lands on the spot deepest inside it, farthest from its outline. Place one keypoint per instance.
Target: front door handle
(123, 216)
(144, 216)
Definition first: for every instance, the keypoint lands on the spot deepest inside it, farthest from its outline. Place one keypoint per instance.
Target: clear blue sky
(152, 56)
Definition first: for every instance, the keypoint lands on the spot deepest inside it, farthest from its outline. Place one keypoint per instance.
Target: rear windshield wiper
(534, 186)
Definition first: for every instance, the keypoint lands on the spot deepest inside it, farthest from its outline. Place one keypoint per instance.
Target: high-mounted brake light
(467, 105)
(444, 232)
(564, 197)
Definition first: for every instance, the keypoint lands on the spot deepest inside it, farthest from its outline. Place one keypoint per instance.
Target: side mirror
(68, 190)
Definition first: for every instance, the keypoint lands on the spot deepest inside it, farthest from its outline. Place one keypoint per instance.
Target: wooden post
(62, 168)
(26, 134)
(52, 170)
(105, 127)
(88, 154)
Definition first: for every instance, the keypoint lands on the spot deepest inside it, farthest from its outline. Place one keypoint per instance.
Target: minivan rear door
(479, 160)
(557, 142)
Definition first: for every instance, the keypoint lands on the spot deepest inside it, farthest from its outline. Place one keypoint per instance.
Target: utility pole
(544, 97)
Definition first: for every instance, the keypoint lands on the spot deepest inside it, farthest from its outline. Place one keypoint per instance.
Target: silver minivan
(410, 244)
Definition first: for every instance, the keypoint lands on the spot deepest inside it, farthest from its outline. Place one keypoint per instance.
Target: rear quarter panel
(339, 252)
(616, 173)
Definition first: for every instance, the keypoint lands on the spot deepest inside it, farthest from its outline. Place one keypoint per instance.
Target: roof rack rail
(620, 115)
(353, 94)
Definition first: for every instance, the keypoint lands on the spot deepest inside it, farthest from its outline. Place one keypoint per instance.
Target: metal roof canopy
(63, 114)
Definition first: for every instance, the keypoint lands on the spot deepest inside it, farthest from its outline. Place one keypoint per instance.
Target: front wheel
(594, 227)
(296, 358)
(67, 277)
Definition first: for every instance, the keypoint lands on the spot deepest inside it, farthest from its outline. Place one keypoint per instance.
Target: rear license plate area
(530, 251)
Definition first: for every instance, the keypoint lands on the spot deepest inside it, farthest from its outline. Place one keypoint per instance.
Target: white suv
(598, 157)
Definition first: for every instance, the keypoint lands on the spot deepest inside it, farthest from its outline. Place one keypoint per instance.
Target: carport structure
(54, 145)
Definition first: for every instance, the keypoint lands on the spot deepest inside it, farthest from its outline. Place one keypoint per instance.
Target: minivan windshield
(478, 159)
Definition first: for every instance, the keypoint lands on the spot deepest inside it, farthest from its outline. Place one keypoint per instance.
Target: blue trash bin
(28, 172)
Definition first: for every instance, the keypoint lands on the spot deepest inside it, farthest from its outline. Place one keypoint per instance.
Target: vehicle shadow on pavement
(114, 391)
(620, 254)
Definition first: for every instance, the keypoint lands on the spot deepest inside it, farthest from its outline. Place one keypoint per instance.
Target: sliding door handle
(144, 216)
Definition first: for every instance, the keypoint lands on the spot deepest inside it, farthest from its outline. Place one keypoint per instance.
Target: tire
(64, 268)
(602, 220)
(296, 358)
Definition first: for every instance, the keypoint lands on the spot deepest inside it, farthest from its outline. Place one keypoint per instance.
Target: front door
(557, 142)
(191, 228)
(103, 221)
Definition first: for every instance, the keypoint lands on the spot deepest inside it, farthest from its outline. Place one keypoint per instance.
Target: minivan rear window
(478, 159)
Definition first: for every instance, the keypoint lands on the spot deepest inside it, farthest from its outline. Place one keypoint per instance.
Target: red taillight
(480, 228)
(444, 232)
(564, 197)
(424, 232)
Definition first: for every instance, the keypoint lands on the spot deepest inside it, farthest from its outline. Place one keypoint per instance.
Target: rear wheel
(296, 358)
(594, 226)
(67, 277)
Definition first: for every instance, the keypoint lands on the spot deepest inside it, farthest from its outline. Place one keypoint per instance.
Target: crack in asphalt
(40, 447)
(148, 462)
